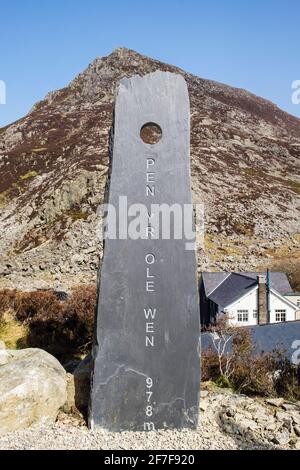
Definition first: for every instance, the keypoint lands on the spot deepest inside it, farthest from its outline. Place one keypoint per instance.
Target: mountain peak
(54, 163)
(121, 51)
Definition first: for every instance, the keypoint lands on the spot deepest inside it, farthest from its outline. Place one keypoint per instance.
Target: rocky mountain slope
(54, 164)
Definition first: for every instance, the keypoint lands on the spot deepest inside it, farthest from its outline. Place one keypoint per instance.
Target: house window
(242, 315)
(254, 313)
(280, 315)
(298, 303)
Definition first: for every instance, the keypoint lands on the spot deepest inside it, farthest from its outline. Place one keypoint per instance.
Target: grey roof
(266, 337)
(234, 287)
(278, 281)
(212, 280)
(224, 288)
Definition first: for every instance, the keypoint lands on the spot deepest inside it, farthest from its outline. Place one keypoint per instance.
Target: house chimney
(262, 299)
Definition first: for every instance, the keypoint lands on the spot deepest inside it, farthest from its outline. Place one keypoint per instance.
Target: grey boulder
(33, 387)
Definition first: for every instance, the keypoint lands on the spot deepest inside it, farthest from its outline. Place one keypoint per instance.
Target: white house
(294, 297)
(248, 298)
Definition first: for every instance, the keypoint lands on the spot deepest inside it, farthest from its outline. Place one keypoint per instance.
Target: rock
(248, 424)
(252, 419)
(297, 445)
(290, 407)
(204, 405)
(4, 357)
(70, 404)
(261, 417)
(297, 430)
(271, 426)
(284, 420)
(281, 438)
(247, 414)
(33, 387)
(82, 383)
(275, 401)
(122, 364)
(295, 417)
(230, 412)
(282, 416)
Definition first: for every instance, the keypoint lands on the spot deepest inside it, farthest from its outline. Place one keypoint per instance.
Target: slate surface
(141, 384)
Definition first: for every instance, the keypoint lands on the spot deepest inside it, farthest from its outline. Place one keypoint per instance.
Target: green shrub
(223, 382)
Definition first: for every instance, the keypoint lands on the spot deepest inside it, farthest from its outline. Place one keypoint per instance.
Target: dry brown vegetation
(62, 327)
(65, 329)
(292, 268)
(243, 370)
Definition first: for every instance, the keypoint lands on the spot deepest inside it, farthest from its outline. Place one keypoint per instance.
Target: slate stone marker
(146, 355)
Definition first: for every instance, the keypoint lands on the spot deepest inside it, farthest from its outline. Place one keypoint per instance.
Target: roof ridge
(226, 277)
(245, 275)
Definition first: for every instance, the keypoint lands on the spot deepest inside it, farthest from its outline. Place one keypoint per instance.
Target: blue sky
(253, 44)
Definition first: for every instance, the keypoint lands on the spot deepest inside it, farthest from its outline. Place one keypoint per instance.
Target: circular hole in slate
(150, 133)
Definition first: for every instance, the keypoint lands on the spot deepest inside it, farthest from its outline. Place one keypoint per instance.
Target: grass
(209, 242)
(294, 186)
(231, 248)
(12, 332)
(39, 150)
(290, 184)
(285, 250)
(4, 197)
(77, 214)
(291, 266)
(29, 174)
(242, 229)
(259, 173)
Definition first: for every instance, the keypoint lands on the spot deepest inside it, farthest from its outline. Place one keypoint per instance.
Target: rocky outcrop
(79, 384)
(33, 388)
(3, 354)
(264, 422)
(249, 421)
(54, 164)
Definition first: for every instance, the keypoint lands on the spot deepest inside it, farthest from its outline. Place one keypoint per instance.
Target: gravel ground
(71, 433)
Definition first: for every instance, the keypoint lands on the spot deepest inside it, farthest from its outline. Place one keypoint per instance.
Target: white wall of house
(244, 312)
(295, 298)
(280, 307)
